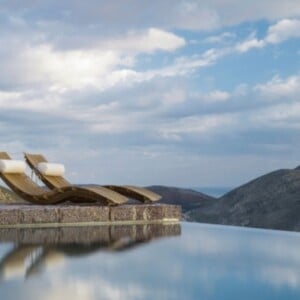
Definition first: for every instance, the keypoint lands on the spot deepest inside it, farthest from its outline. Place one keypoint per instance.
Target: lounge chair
(23, 186)
(138, 193)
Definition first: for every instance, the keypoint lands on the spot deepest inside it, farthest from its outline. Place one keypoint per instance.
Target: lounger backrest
(50, 181)
(21, 181)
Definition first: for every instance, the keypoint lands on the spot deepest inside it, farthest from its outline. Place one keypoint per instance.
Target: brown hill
(270, 201)
(187, 198)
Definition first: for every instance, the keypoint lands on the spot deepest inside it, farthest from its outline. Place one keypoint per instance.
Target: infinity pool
(187, 261)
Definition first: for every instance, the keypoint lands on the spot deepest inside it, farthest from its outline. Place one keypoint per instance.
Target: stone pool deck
(73, 214)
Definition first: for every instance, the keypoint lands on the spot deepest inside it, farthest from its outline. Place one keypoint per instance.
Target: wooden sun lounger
(51, 182)
(23, 186)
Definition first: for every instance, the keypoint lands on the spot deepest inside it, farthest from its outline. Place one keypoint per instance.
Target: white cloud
(110, 124)
(277, 33)
(221, 38)
(9, 96)
(145, 42)
(283, 30)
(203, 125)
(250, 44)
(188, 64)
(103, 65)
(59, 70)
(278, 88)
(277, 116)
(28, 101)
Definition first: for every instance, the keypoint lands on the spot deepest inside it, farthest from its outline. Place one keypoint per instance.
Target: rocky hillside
(270, 201)
(8, 197)
(187, 198)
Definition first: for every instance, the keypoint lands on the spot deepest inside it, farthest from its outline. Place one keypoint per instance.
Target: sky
(183, 93)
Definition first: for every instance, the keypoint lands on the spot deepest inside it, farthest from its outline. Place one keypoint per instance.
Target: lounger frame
(52, 182)
(24, 187)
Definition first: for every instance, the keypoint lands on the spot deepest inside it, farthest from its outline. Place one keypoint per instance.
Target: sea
(213, 191)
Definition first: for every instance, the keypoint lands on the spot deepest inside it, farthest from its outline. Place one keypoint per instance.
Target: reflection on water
(34, 248)
(203, 262)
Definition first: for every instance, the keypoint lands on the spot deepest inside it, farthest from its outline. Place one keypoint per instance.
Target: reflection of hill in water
(36, 248)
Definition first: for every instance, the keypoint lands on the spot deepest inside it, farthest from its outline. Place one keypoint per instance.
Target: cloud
(281, 31)
(194, 125)
(188, 64)
(28, 101)
(149, 41)
(221, 38)
(250, 44)
(116, 16)
(278, 116)
(104, 65)
(278, 88)
(43, 66)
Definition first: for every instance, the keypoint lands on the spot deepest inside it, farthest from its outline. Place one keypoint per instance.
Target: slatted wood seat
(24, 187)
(51, 182)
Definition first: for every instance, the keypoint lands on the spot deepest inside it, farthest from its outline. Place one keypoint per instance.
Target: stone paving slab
(45, 215)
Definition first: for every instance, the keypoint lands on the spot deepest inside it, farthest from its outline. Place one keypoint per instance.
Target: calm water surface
(191, 261)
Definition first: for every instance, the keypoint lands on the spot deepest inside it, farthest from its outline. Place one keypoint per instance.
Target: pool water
(187, 261)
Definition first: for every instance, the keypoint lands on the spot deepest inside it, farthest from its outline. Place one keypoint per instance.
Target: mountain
(187, 198)
(270, 201)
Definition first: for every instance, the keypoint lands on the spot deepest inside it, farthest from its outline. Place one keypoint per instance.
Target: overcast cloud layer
(187, 93)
